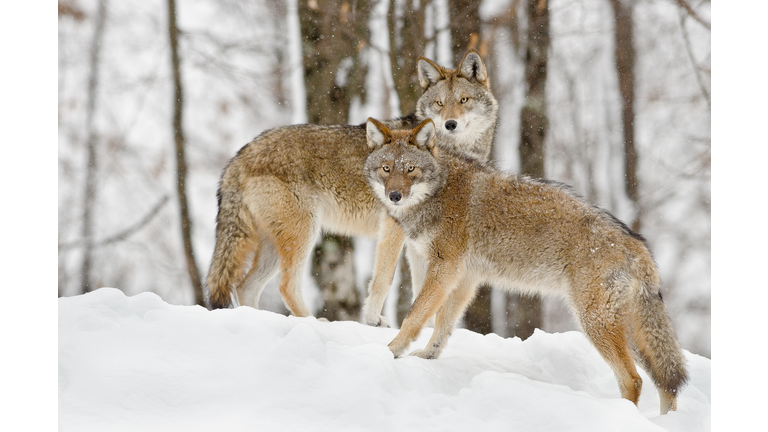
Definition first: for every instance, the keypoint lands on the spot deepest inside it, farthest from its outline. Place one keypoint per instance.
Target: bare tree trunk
(333, 36)
(533, 116)
(479, 315)
(527, 315)
(91, 167)
(625, 68)
(465, 27)
(181, 163)
(465, 33)
(406, 43)
(334, 272)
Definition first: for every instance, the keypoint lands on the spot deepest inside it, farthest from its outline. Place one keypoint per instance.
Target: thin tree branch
(181, 163)
(124, 234)
(72, 10)
(89, 196)
(689, 50)
(684, 4)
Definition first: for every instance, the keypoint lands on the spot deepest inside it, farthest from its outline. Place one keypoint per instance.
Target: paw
(377, 321)
(323, 319)
(426, 354)
(397, 349)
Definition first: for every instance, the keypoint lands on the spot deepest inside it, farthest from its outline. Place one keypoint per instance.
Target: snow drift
(138, 363)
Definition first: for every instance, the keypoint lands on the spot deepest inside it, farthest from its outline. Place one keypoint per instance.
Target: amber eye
(411, 168)
(385, 168)
(439, 103)
(464, 100)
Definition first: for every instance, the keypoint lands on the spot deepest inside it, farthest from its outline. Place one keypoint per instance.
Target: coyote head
(460, 103)
(402, 168)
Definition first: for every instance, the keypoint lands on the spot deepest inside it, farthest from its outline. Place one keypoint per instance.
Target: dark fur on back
(408, 121)
(571, 191)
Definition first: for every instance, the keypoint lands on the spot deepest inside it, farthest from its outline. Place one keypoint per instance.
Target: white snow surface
(138, 363)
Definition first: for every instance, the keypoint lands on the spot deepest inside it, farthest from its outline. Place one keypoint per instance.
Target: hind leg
(606, 328)
(294, 244)
(290, 224)
(668, 401)
(264, 267)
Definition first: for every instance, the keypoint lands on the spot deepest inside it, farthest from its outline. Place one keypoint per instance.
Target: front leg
(449, 313)
(388, 247)
(441, 278)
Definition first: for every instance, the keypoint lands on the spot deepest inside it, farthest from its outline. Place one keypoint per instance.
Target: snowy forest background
(241, 69)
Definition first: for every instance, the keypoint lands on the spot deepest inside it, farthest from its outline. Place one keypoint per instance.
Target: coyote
(468, 223)
(289, 183)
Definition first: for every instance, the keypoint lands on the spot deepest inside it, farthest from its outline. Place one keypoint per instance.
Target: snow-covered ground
(140, 364)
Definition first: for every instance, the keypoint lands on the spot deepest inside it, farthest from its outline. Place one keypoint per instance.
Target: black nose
(451, 125)
(395, 196)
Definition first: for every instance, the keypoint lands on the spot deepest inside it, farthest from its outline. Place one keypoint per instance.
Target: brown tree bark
(479, 314)
(406, 44)
(527, 314)
(181, 162)
(91, 168)
(625, 69)
(465, 28)
(334, 32)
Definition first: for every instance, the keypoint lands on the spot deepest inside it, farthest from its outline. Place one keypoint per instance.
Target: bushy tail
(232, 247)
(656, 348)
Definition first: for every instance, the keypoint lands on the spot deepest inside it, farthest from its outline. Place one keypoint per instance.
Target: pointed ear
(424, 136)
(429, 72)
(472, 67)
(377, 134)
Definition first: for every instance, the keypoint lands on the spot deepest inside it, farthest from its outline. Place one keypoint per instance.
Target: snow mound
(138, 363)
